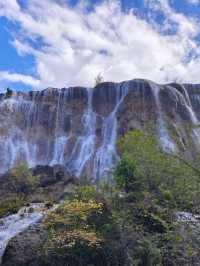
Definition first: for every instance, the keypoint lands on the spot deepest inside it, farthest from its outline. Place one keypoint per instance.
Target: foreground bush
(82, 231)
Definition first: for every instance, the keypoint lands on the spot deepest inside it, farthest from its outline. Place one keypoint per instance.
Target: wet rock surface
(14, 224)
(55, 126)
(27, 248)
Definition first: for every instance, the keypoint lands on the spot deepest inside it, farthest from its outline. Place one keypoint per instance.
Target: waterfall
(164, 138)
(31, 119)
(85, 145)
(60, 142)
(70, 126)
(14, 145)
(106, 155)
(59, 150)
(194, 120)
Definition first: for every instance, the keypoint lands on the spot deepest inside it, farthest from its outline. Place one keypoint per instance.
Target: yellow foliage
(69, 223)
(70, 238)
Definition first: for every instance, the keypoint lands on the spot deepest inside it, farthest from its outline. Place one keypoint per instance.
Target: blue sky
(67, 43)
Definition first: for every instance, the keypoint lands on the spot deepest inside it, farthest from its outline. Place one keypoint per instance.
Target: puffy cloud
(71, 45)
(15, 77)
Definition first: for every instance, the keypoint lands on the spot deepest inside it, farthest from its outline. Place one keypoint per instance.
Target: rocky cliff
(77, 127)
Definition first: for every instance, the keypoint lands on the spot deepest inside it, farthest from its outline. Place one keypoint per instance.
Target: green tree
(129, 179)
(20, 179)
(163, 175)
(152, 186)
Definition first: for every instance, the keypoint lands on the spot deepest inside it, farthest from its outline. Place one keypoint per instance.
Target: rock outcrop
(27, 248)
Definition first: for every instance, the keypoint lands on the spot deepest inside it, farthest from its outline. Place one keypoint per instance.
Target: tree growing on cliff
(8, 93)
(99, 79)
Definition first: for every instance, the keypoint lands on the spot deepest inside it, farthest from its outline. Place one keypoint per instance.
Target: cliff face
(78, 127)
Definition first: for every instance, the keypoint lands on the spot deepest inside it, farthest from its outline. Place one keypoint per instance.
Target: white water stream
(106, 155)
(165, 139)
(12, 225)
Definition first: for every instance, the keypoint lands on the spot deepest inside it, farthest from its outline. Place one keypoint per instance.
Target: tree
(82, 231)
(128, 178)
(99, 79)
(167, 177)
(20, 179)
(8, 93)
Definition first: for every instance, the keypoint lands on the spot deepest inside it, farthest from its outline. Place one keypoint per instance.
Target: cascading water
(60, 142)
(14, 144)
(165, 140)
(106, 155)
(70, 127)
(85, 144)
(12, 225)
(32, 146)
(59, 150)
(183, 95)
(194, 120)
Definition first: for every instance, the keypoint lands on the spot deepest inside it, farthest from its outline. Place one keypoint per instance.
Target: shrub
(20, 179)
(82, 231)
(10, 206)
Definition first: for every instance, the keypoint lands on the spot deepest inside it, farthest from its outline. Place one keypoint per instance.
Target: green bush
(10, 206)
(82, 231)
(145, 168)
(20, 179)
(151, 186)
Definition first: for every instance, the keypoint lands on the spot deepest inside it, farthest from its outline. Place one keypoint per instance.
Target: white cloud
(193, 2)
(15, 77)
(75, 45)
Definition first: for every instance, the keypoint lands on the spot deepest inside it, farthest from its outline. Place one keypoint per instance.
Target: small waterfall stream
(60, 142)
(165, 140)
(106, 155)
(85, 144)
(12, 225)
(194, 120)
